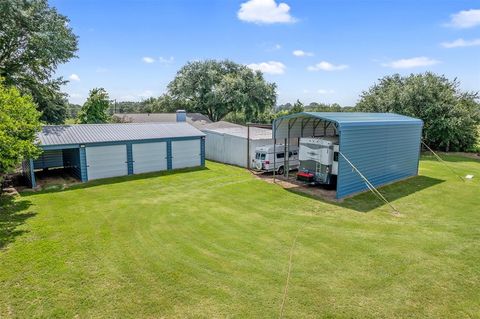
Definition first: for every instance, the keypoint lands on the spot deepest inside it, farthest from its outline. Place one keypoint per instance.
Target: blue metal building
(93, 151)
(385, 147)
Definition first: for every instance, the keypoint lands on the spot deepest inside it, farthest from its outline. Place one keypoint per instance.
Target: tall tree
(19, 123)
(34, 40)
(216, 88)
(450, 115)
(95, 108)
(297, 107)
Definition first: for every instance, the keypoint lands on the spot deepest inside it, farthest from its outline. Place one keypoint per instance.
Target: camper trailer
(264, 158)
(318, 160)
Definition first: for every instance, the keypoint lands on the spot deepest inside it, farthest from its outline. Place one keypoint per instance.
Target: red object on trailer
(305, 177)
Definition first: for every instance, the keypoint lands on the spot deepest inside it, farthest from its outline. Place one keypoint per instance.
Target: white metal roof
(223, 127)
(195, 119)
(101, 133)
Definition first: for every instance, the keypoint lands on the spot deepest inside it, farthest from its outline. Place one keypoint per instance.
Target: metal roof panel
(100, 133)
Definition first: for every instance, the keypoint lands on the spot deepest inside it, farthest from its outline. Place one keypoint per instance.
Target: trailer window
(335, 156)
(260, 156)
(280, 155)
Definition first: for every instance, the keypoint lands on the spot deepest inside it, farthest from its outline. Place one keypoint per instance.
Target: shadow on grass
(366, 201)
(112, 180)
(12, 214)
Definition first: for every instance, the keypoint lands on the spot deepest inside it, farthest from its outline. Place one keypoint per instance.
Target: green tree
(19, 123)
(73, 110)
(95, 108)
(34, 40)
(297, 108)
(450, 116)
(217, 88)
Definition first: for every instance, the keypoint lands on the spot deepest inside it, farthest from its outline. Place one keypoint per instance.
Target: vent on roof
(181, 116)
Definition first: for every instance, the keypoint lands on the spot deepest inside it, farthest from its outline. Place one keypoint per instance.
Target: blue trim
(33, 182)
(129, 159)
(58, 147)
(202, 151)
(169, 155)
(83, 164)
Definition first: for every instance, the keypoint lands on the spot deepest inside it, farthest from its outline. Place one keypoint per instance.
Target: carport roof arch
(345, 119)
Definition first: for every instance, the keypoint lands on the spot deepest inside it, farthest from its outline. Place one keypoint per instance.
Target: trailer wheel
(280, 170)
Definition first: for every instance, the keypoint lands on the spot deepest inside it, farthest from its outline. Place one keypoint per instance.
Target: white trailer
(264, 158)
(318, 160)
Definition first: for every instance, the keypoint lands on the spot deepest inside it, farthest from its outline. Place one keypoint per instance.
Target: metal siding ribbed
(83, 164)
(169, 154)
(71, 161)
(49, 159)
(129, 159)
(202, 151)
(383, 153)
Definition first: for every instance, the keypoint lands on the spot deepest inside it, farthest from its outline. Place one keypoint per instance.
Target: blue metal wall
(71, 161)
(49, 159)
(383, 153)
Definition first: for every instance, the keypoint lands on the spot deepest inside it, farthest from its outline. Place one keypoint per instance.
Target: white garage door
(186, 153)
(106, 161)
(149, 157)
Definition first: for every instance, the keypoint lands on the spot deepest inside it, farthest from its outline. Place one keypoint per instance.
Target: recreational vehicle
(264, 158)
(318, 160)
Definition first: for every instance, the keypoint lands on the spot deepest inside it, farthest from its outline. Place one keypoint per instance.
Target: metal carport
(385, 147)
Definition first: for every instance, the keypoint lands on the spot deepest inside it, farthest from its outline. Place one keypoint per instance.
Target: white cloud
(325, 92)
(148, 59)
(301, 53)
(270, 67)
(460, 43)
(411, 63)
(465, 19)
(277, 47)
(265, 12)
(163, 60)
(74, 77)
(327, 66)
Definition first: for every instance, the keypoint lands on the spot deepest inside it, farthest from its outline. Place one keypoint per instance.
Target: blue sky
(324, 51)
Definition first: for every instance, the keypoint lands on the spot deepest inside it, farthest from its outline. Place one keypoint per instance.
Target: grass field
(216, 243)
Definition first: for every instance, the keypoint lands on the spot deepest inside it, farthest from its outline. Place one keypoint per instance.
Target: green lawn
(216, 242)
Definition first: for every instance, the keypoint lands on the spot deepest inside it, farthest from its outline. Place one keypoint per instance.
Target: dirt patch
(292, 184)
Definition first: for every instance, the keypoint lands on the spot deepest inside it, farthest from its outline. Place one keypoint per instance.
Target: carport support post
(284, 157)
(274, 149)
(287, 151)
(248, 145)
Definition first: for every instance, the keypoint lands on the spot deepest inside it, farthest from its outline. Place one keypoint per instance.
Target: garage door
(106, 161)
(186, 153)
(149, 157)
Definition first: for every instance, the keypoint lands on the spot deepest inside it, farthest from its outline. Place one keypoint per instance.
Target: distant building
(226, 142)
(195, 119)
